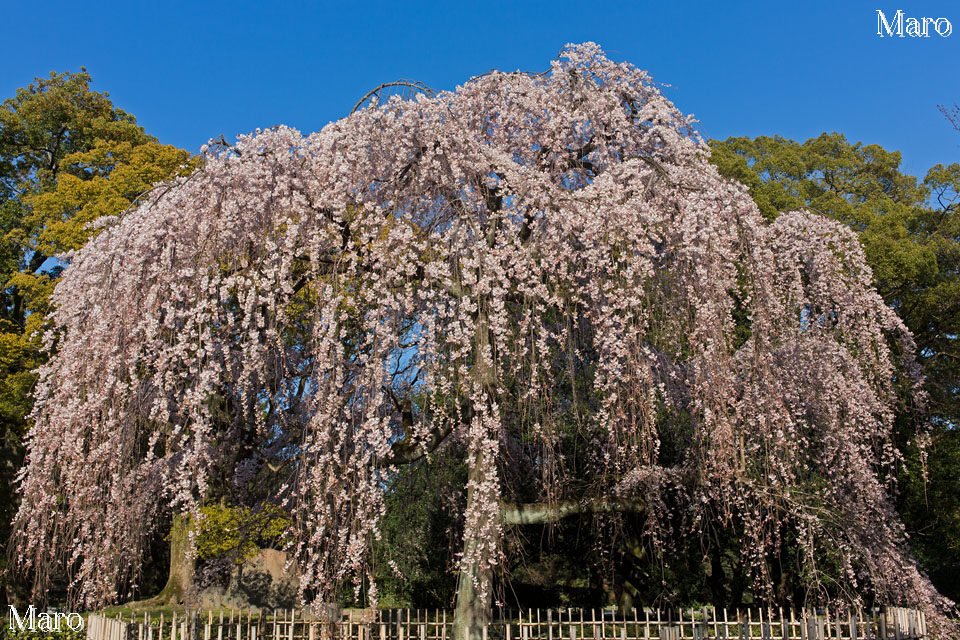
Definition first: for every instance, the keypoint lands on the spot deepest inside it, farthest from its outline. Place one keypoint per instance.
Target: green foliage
(932, 507)
(238, 532)
(42, 635)
(105, 180)
(420, 531)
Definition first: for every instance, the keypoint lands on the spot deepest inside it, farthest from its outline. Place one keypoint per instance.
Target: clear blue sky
(192, 71)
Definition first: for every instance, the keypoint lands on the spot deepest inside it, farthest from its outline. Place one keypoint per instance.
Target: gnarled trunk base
(182, 567)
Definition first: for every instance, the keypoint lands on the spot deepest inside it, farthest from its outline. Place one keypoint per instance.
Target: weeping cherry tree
(529, 261)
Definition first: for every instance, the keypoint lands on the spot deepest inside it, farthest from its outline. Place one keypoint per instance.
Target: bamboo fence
(885, 623)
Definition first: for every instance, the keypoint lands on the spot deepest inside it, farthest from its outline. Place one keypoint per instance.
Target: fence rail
(885, 623)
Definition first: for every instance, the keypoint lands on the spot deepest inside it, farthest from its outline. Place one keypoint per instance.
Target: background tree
(67, 157)
(910, 233)
(542, 269)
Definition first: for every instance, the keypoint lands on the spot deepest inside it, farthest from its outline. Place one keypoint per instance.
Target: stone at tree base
(264, 582)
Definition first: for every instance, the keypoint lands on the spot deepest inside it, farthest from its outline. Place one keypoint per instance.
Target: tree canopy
(543, 269)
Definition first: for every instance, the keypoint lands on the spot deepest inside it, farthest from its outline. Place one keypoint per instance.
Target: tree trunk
(472, 612)
(182, 562)
(182, 566)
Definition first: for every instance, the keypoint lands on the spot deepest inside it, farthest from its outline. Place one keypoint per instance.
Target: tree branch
(405, 451)
(545, 512)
